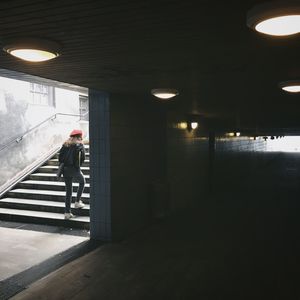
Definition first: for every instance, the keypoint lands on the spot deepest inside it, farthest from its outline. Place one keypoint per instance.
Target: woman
(72, 154)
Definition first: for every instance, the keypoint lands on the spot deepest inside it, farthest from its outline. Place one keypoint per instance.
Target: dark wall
(198, 172)
(138, 150)
(256, 206)
(237, 161)
(157, 167)
(243, 165)
(187, 164)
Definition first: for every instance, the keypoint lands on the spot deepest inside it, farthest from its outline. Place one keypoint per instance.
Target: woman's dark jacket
(73, 157)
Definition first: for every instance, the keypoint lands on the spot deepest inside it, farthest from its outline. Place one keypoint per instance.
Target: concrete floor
(239, 246)
(26, 245)
(237, 250)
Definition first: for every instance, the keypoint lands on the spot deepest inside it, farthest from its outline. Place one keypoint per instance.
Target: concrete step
(49, 185)
(86, 149)
(53, 169)
(41, 205)
(54, 162)
(39, 217)
(44, 195)
(51, 177)
(40, 199)
(87, 155)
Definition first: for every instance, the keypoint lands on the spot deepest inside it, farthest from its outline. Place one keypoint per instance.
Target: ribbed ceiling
(202, 48)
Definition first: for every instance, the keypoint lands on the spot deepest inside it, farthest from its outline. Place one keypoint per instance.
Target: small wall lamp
(188, 125)
(182, 125)
(233, 134)
(194, 125)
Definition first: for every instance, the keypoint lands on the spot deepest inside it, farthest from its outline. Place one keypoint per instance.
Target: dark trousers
(78, 176)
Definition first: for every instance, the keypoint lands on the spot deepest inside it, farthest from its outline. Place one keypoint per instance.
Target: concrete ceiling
(203, 48)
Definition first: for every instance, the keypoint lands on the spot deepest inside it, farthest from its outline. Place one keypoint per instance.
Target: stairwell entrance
(37, 116)
(32, 209)
(40, 198)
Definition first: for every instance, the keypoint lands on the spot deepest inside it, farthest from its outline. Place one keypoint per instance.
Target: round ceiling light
(279, 18)
(33, 50)
(164, 93)
(292, 86)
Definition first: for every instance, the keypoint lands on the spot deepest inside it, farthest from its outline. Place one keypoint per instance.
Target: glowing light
(237, 134)
(288, 144)
(33, 55)
(164, 93)
(292, 88)
(194, 125)
(280, 26)
(182, 125)
(277, 18)
(231, 134)
(33, 50)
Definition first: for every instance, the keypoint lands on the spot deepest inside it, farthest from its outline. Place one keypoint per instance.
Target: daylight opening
(284, 144)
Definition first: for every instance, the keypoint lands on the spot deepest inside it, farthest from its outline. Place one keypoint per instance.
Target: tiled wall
(237, 160)
(240, 164)
(100, 195)
(256, 197)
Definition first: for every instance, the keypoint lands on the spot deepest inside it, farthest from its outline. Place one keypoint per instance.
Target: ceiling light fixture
(33, 50)
(164, 93)
(279, 18)
(292, 86)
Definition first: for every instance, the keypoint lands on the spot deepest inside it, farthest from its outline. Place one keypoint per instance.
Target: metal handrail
(25, 172)
(20, 138)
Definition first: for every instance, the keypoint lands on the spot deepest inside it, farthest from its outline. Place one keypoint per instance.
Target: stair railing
(20, 138)
(28, 170)
(35, 165)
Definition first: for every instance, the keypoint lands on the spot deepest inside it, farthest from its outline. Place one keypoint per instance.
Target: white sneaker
(79, 204)
(68, 216)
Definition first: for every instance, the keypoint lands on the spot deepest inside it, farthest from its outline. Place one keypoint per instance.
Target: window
(41, 94)
(84, 108)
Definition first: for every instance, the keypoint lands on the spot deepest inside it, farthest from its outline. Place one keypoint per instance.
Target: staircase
(40, 198)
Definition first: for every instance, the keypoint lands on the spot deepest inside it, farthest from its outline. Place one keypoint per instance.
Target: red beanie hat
(76, 132)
